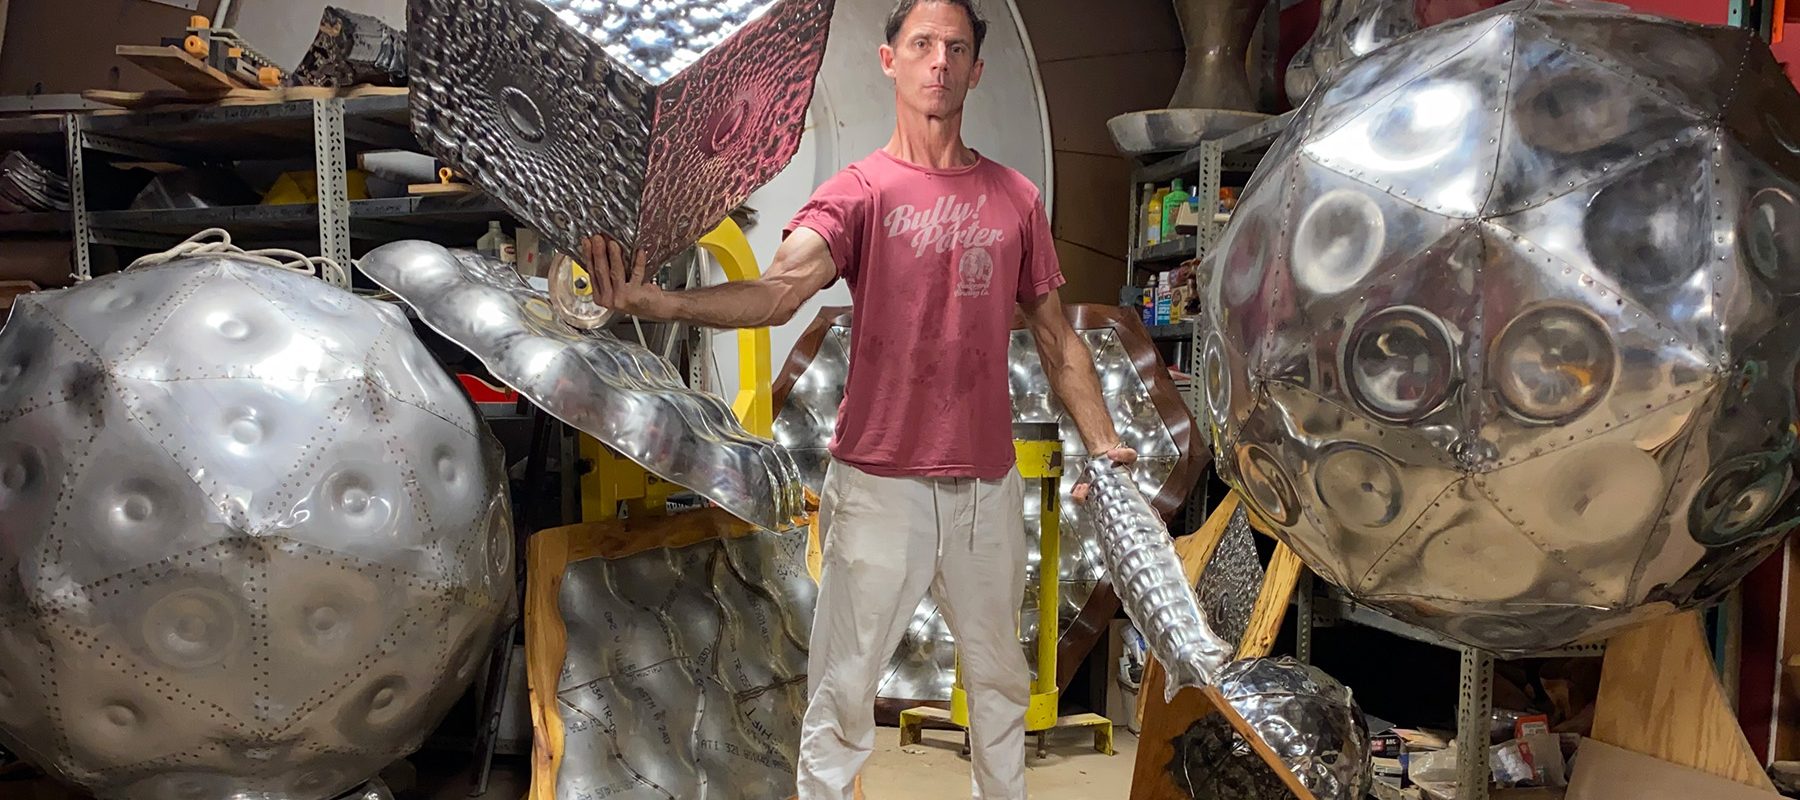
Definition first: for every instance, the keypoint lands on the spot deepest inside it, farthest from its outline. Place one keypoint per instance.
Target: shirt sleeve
(1042, 272)
(838, 211)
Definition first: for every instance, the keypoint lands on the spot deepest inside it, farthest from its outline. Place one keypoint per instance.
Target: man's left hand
(1119, 454)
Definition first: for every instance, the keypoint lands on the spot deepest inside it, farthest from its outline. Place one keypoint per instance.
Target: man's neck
(932, 142)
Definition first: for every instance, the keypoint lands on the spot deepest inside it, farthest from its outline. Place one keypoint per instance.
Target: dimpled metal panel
(1232, 580)
(618, 392)
(923, 667)
(254, 541)
(646, 120)
(1309, 720)
(686, 671)
(1501, 338)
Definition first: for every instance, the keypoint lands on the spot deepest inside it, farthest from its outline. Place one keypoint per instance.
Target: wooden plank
(546, 645)
(1660, 697)
(174, 65)
(1279, 581)
(441, 188)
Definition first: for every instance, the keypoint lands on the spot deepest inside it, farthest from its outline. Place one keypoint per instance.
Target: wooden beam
(1659, 696)
(174, 65)
(1279, 581)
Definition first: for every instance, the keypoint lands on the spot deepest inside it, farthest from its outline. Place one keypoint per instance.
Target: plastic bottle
(1162, 298)
(1171, 204)
(1153, 216)
(496, 244)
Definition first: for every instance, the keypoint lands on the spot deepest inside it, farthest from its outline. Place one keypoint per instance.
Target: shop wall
(63, 47)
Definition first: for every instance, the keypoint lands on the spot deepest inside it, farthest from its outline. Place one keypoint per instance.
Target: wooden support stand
(1164, 723)
(1660, 696)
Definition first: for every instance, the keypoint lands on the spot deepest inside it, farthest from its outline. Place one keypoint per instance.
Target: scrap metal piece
(1151, 584)
(352, 49)
(686, 670)
(1450, 363)
(618, 392)
(254, 541)
(1308, 718)
(647, 122)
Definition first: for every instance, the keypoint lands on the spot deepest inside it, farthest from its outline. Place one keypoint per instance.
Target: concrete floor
(930, 770)
(1072, 770)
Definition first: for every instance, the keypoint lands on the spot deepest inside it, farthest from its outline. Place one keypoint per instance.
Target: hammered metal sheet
(254, 541)
(1309, 719)
(616, 391)
(923, 664)
(1232, 580)
(686, 671)
(1501, 339)
(646, 121)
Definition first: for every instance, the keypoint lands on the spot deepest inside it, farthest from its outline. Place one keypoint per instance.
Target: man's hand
(1119, 454)
(623, 288)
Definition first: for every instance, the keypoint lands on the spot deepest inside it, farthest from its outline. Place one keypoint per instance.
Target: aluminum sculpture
(1309, 720)
(616, 391)
(1347, 29)
(647, 121)
(1500, 337)
(1145, 408)
(254, 541)
(686, 670)
(1151, 584)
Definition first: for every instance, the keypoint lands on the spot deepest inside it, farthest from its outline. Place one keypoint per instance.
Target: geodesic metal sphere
(254, 541)
(1500, 338)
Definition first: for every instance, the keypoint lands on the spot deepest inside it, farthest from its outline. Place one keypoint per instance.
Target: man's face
(932, 60)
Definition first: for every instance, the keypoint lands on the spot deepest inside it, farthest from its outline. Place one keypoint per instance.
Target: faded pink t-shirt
(936, 260)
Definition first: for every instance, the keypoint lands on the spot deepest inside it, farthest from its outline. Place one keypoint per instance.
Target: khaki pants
(888, 541)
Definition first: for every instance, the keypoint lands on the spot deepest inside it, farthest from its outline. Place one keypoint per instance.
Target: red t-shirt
(936, 260)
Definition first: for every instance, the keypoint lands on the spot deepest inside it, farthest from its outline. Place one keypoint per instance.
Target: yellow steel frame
(614, 479)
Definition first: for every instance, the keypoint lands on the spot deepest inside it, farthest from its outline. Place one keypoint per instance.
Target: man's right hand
(622, 287)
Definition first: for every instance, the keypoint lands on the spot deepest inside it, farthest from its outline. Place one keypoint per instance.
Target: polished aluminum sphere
(254, 541)
(1501, 336)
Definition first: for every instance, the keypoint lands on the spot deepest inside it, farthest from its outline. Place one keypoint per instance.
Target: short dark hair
(904, 8)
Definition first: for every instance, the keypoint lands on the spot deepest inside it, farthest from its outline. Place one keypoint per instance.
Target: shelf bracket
(330, 165)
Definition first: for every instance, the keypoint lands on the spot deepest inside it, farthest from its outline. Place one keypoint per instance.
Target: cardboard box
(1604, 772)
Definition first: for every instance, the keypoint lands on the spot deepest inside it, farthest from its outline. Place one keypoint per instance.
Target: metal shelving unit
(328, 133)
(1475, 686)
(1204, 166)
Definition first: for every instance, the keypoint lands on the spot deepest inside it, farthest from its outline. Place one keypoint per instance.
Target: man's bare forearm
(742, 304)
(1070, 368)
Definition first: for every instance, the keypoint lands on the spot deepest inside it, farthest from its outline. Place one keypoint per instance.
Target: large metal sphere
(1501, 336)
(253, 540)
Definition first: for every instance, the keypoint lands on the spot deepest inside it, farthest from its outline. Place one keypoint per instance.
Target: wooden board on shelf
(241, 96)
(441, 188)
(176, 66)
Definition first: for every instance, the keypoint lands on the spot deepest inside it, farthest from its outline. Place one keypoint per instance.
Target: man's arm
(1069, 365)
(802, 267)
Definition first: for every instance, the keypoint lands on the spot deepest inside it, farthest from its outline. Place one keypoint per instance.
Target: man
(939, 246)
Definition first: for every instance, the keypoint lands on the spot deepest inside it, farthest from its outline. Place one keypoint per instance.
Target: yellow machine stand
(1039, 449)
(615, 479)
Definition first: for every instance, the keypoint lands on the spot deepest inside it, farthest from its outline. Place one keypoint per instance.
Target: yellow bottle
(1153, 216)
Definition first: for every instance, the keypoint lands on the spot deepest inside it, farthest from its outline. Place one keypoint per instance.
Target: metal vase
(1218, 39)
